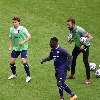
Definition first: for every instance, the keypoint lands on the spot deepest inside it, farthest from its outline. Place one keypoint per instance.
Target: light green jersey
(17, 35)
(77, 33)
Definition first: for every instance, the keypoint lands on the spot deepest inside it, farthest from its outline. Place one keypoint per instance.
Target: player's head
(71, 23)
(16, 21)
(53, 42)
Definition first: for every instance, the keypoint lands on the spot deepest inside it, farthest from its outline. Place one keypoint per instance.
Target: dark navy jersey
(60, 57)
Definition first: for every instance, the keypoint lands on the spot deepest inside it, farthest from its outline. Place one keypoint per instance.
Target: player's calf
(13, 69)
(26, 67)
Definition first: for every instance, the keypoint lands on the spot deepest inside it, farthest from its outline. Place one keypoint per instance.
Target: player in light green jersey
(18, 44)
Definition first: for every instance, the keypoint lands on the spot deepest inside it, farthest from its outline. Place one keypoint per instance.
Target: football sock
(61, 91)
(26, 67)
(13, 68)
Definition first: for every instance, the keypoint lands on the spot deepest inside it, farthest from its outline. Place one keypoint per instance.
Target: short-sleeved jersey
(77, 33)
(60, 57)
(17, 35)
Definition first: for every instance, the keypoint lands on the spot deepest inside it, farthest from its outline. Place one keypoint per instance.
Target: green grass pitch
(44, 19)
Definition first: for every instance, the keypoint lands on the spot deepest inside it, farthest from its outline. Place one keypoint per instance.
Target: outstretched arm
(50, 57)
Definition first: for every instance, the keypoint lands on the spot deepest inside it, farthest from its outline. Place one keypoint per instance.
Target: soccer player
(18, 43)
(75, 33)
(62, 61)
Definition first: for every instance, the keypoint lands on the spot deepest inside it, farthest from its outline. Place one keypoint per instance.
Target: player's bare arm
(28, 37)
(90, 37)
(10, 44)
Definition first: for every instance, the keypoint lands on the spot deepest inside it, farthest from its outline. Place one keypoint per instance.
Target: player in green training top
(18, 43)
(76, 34)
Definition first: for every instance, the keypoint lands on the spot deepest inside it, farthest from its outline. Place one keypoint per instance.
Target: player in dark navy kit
(62, 61)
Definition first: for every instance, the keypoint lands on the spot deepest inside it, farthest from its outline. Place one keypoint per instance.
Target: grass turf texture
(44, 19)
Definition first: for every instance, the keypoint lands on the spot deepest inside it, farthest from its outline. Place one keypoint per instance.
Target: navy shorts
(22, 53)
(61, 74)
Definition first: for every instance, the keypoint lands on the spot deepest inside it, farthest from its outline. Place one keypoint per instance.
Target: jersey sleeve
(50, 57)
(82, 31)
(25, 31)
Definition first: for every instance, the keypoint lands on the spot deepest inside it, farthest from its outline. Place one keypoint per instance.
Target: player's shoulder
(11, 28)
(22, 27)
(80, 28)
(61, 49)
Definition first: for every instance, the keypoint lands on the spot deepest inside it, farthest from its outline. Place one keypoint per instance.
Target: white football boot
(28, 79)
(12, 76)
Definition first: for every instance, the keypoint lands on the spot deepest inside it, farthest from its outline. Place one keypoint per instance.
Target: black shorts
(22, 53)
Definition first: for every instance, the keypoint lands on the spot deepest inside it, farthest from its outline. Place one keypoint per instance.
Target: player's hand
(82, 47)
(69, 41)
(41, 62)
(21, 42)
(9, 49)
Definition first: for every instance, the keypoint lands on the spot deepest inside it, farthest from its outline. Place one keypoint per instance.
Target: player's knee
(24, 61)
(12, 62)
(59, 83)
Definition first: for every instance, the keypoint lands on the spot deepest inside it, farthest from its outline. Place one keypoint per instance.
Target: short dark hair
(54, 39)
(16, 18)
(71, 20)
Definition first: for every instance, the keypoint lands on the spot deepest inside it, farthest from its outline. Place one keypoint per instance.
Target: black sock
(13, 68)
(61, 91)
(26, 67)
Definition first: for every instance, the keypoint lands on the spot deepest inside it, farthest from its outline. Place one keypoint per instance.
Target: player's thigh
(60, 82)
(14, 55)
(61, 77)
(76, 51)
(12, 60)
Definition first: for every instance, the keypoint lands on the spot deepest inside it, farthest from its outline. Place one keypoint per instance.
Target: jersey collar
(57, 47)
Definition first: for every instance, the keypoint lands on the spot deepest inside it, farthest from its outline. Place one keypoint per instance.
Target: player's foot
(88, 81)
(71, 77)
(28, 79)
(12, 76)
(61, 98)
(73, 97)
